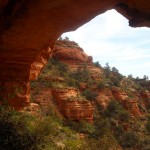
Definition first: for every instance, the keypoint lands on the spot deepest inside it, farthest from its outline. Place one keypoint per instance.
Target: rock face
(104, 97)
(72, 106)
(16, 94)
(71, 54)
(74, 57)
(128, 103)
(29, 27)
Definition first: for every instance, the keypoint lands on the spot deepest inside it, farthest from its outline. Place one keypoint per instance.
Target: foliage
(102, 126)
(25, 132)
(124, 115)
(112, 108)
(105, 142)
(82, 74)
(109, 125)
(107, 70)
(115, 110)
(130, 139)
(114, 69)
(148, 126)
(89, 94)
(82, 126)
(112, 75)
(97, 64)
(15, 132)
(101, 85)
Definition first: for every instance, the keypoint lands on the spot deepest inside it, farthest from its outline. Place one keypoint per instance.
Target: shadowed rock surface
(29, 28)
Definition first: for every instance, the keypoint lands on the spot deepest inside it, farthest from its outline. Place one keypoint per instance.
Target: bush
(130, 139)
(89, 94)
(124, 115)
(82, 126)
(112, 109)
(101, 85)
(14, 131)
(106, 142)
(148, 125)
(102, 126)
(97, 64)
(19, 131)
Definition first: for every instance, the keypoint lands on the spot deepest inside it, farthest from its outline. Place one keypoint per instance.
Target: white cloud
(108, 38)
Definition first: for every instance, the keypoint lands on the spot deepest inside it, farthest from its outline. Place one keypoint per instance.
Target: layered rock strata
(70, 53)
(130, 104)
(72, 106)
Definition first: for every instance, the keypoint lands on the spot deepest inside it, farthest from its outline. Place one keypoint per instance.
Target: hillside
(80, 105)
(80, 89)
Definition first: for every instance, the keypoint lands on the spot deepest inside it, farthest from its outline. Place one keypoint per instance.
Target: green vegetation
(112, 75)
(25, 132)
(115, 110)
(148, 126)
(112, 126)
(89, 94)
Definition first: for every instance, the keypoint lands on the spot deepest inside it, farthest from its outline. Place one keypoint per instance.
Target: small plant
(112, 109)
(97, 64)
(124, 115)
(101, 85)
(130, 139)
(148, 126)
(89, 94)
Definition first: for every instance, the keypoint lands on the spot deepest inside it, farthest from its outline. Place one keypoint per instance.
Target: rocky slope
(79, 90)
(70, 53)
(91, 79)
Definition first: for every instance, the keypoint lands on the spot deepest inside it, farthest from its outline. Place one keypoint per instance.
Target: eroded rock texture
(72, 106)
(27, 27)
(70, 53)
(130, 104)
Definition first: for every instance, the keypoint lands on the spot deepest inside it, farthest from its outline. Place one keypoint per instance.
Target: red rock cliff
(72, 106)
(70, 53)
(130, 104)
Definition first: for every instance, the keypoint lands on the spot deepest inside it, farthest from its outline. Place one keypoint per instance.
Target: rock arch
(29, 28)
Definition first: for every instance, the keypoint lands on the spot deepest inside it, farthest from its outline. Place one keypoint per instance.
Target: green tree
(114, 69)
(130, 76)
(130, 139)
(107, 70)
(89, 94)
(97, 64)
(145, 77)
(148, 126)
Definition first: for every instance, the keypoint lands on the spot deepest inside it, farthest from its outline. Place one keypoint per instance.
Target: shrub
(82, 126)
(130, 139)
(112, 109)
(20, 131)
(14, 131)
(106, 142)
(102, 126)
(82, 74)
(89, 94)
(97, 64)
(148, 125)
(124, 115)
(145, 143)
(101, 85)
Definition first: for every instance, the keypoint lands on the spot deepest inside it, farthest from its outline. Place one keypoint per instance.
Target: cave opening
(109, 38)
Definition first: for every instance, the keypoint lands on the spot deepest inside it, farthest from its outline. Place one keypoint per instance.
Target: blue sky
(108, 38)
